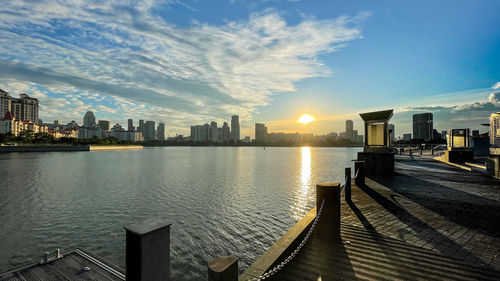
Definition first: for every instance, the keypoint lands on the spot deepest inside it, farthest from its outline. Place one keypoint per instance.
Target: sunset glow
(305, 118)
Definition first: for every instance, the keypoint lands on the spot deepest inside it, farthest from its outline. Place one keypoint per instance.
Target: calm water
(220, 200)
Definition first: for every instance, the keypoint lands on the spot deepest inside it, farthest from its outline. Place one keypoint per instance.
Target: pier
(429, 221)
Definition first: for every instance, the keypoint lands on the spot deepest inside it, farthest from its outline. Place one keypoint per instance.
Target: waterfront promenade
(430, 221)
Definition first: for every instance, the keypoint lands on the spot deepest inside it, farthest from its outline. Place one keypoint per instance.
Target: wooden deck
(429, 221)
(70, 267)
(366, 255)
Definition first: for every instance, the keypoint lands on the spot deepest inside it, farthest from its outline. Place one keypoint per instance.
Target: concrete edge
(279, 250)
(114, 147)
(440, 159)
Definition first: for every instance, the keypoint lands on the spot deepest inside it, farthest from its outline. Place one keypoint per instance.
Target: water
(220, 200)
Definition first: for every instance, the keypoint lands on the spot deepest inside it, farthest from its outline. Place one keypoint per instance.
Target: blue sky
(191, 62)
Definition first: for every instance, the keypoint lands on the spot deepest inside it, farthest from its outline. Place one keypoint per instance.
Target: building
(5, 103)
(423, 126)
(149, 132)
(349, 125)
(213, 134)
(160, 132)
(23, 108)
(141, 128)
(104, 124)
(121, 134)
(495, 129)
(354, 136)
(246, 139)
(58, 122)
(69, 133)
(130, 126)
(407, 137)
(9, 124)
(260, 133)
(89, 132)
(443, 134)
(89, 119)
(235, 128)
(225, 132)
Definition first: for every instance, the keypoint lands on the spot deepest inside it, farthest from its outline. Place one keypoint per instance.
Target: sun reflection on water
(302, 193)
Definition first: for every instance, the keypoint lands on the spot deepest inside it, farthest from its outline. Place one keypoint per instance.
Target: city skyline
(268, 62)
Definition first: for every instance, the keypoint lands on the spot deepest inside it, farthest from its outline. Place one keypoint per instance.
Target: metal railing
(295, 252)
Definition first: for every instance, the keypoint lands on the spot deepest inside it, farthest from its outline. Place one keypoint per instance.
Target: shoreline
(68, 148)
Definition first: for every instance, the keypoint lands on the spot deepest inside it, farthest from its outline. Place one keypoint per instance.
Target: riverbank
(59, 148)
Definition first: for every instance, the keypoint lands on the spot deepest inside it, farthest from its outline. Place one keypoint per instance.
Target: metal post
(410, 151)
(223, 269)
(329, 224)
(359, 172)
(347, 184)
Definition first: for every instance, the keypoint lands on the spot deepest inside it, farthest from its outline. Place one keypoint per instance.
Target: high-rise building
(141, 128)
(423, 126)
(58, 122)
(225, 132)
(349, 125)
(213, 134)
(495, 129)
(160, 132)
(260, 133)
(354, 137)
(104, 124)
(149, 131)
(5, 102)
(89, 119)
(23, 108)
(130, 124)
(235, 128)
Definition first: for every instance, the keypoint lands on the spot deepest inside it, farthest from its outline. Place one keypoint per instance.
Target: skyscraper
(149, 131)
(260, 133)
(423, 126)
(160, 132)
(349, 125)
(141, 128)
(235, 128)
(130, 126)
(213, 132)
(89, 119)
(23, 108)
(225, 132)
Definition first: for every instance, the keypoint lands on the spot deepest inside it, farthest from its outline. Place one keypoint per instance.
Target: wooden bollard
(347, 187)
(359, 172)
(223, 269)
(329, 223)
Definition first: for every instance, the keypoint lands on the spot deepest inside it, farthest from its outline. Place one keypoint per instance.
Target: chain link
(295, 252)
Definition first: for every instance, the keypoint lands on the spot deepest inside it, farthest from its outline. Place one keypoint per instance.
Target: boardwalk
(428, 222)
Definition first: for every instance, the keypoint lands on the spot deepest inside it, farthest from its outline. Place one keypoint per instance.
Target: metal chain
(295, 252)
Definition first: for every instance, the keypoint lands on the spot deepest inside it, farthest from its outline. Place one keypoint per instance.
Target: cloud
(496, 86)
(130, 52)
(495, 98)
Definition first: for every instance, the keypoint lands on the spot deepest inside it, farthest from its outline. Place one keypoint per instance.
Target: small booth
(377, 153)
(459, 148)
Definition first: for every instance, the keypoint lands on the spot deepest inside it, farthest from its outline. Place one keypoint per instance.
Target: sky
(193, 62)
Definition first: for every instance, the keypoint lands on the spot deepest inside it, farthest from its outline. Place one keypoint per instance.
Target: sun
(305, 118)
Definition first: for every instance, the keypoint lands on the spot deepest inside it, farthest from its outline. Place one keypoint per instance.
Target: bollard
(223, 269)
(329, 223)
(410, 151)
(359, 172)
(421, 150)
(432, 150)
(348, 184)
(147, 250)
